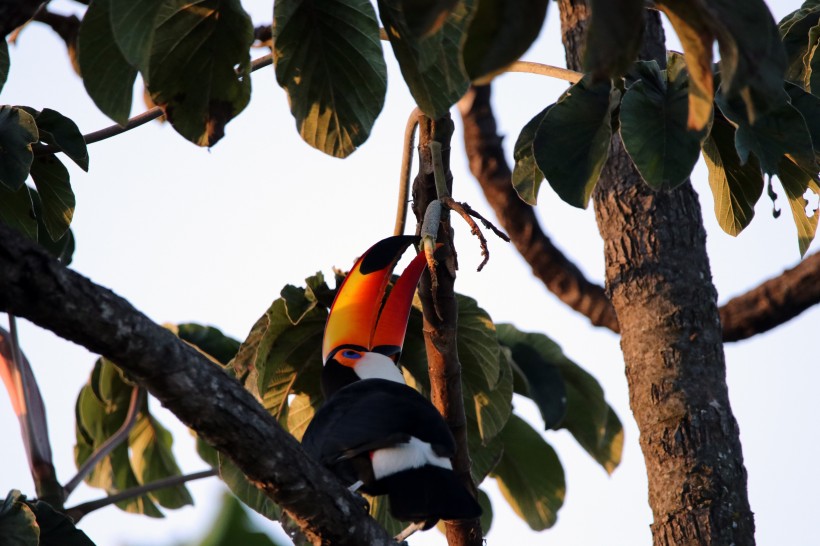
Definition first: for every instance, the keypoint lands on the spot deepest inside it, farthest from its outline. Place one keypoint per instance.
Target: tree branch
(35, 286)
(771, 304)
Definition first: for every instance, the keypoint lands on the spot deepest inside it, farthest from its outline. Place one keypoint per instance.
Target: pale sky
(211, 236)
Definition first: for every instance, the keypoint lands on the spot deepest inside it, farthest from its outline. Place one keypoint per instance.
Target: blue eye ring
(354, 355)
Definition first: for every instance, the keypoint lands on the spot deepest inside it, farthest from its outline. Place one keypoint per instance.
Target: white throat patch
(378, 366)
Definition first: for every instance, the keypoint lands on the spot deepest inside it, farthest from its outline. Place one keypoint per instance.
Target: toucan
(374, 430)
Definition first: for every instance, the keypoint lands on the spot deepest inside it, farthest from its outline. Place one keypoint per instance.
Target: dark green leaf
(132, 23)
(811, 63)
(526, 176)
(535, 356)
(795, 182)
(16, 210)
(57, 199)
(653, 116)
(301, 410)
(426, 16)
(613, 37)
(483, 457)
(56, 529)
(63, 133)
(152, 460)
(572, 143)
(210, 340)
(62, 248)
(329, 59)
(236, 481)
(530, 475)
(486, 511)
(794, 31)
(5, 63)
(233, 526)
(107, 76)
(500, 32)
(200, 66)
(18, 131)
(736, 187)
(809, 107)
(18, 526)
(432, 65)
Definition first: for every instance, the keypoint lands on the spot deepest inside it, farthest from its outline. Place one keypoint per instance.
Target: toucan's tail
(428, 494)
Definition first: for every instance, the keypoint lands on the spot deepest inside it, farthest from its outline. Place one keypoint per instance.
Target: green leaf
(796, 182)
(62, 248)
(133, 23)
(809, 107)
(774, 134)
(233, 526)
(500, 32)
(152, 460)
(329, 59)
(526, 176)
(199, 70)
(794, 31)
(426, 16)
(530, 475)
(613, 37)
(5, 63)
(535, 356)
(236, 481)
(486, 511)
(16, 210)
(736, 187)
(432, 65)
(57, 199)
(209, 340)
(18, 132)
(107, 76)
(56, 529)
(300, 412)
(572, 143)
(484, 458)
(18, 526)
(653, 116)
(59, 131)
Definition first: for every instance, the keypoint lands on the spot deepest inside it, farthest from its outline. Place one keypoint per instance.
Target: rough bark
(659, 281)
(443, 364)
(770, 304)
(35, 286)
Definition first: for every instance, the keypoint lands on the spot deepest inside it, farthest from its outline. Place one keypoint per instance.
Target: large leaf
(232, 527)
(526, 176)
(736, 186)
(500, 32)
(530, 475)
(431, 65)
(236, 481)
(544, 383)
(426, 16)
(56, 197)
(328, 57)
(152, 460)
(107, 76)
(18, 526)
(62, 248)
(613, 37)
(572, 142)
(18, 131)
(5, 63)
(56, 529)
(209, 340)
(794, 32)
(653, 116)
(301, 410)
(16, 210)
(133, 23)
(809, 107)
(795, 182)
(61, 132)
(199, 69)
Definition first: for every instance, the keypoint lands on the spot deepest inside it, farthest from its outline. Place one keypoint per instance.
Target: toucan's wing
(373, 414)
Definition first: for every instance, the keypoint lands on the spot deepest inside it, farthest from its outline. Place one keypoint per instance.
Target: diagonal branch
(35, 286)
(767, 306)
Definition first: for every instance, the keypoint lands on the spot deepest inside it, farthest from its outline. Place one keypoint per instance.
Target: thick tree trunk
(659, 280)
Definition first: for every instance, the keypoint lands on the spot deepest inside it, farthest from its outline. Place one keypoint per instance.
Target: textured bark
(35, 286)
(443, 364)
(772, 303)
(659, 281)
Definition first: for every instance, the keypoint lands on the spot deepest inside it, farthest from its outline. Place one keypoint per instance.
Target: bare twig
(110, 444)
(406, 167)
(78, 512)
(409, 530)
(545, 70)
(452, 204)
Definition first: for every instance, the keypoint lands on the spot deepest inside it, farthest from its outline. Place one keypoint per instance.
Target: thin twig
(108, 446)
(78, 512)
(406, 166)
(545, 70)
(452, 204)
(136, 121)
(409, 530)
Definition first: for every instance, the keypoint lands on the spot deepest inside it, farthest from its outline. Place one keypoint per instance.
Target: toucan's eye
(351, 354)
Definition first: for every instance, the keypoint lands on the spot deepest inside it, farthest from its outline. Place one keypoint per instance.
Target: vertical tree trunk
(659, 280)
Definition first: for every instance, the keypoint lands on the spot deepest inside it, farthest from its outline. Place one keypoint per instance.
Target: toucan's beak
(360, 318)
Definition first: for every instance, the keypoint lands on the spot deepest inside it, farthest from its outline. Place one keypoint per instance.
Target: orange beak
(360, 318)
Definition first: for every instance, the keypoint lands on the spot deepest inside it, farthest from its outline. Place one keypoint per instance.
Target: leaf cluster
(26, 522)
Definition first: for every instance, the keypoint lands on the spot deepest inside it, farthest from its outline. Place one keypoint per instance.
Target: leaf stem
(78, 512)
(108, 446)
(545, 70)
(136, 121)
(406, 166)
(438, 170)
